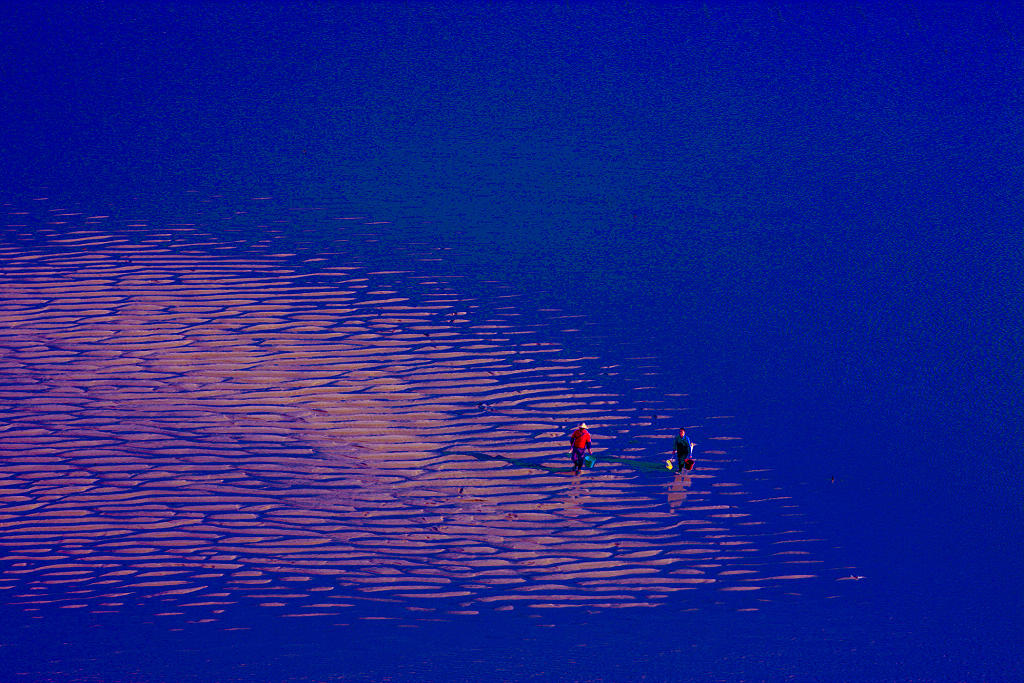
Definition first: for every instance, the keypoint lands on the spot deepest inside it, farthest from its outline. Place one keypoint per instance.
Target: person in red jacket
(580, 441)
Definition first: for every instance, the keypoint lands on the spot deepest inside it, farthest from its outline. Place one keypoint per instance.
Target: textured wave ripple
(196, 425)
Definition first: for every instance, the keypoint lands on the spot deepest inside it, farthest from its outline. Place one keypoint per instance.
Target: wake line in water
(200, 424)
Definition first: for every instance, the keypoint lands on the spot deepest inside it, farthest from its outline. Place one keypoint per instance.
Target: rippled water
(250, 437)
(197, 425)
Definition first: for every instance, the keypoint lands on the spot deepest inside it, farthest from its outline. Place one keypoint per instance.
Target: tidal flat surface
(299, 302)
(243, 420)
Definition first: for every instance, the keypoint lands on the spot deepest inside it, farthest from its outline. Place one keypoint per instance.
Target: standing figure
(580, 441)
(684, 448)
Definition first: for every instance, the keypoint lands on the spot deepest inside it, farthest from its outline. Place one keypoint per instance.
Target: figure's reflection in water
(575, 491)
(677, 490)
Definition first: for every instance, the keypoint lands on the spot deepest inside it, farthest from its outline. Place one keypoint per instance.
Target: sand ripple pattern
(197, 424)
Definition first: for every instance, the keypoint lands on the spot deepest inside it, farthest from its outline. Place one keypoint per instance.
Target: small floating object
(668, 463)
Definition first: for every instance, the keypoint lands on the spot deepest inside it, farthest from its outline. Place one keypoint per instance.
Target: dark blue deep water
(808, 218)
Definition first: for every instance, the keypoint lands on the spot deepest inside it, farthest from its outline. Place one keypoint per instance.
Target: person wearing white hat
(580, 441)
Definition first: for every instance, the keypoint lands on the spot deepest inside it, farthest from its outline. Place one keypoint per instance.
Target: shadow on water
(278, 428)
(208, 434)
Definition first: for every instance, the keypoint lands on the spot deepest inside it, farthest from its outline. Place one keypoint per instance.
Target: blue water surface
(808, 218)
